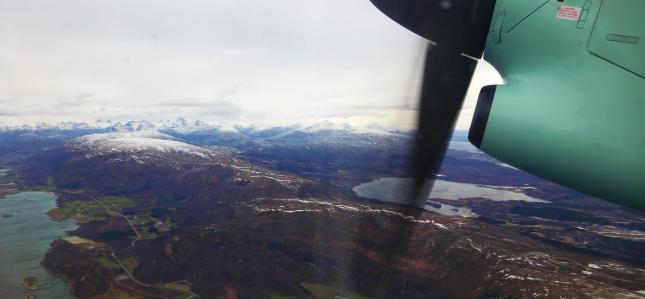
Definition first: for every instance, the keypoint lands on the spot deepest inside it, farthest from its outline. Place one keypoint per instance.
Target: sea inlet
(25, 235)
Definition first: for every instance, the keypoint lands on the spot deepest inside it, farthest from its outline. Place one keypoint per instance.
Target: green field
(145, 224)
(276, 296)
(177, 290)
(107, 262)
(320, 291)
(143, 219)
(325, 292)
(89, 210)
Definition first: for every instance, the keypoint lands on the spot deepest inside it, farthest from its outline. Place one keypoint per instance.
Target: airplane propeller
(457, 31)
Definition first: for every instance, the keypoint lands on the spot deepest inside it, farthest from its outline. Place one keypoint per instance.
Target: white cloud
(227, 60)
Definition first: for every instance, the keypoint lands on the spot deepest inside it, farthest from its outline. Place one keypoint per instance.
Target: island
(30, 283)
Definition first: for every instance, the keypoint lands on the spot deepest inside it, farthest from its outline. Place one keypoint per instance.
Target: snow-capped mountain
(151, 133)
(150, 147)
(320, 129)
(62, 126)
(201, 133)
(183, 125)
(139, 143)
(132, 126)
(188, 125)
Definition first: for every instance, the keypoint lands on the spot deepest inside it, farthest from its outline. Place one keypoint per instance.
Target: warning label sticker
(567, 12)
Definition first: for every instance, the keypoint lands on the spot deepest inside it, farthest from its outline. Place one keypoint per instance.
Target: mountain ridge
(187, 125)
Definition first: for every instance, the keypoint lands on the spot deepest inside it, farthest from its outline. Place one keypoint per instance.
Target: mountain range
(185, 209)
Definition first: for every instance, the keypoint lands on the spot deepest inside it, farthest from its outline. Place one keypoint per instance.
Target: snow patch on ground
(141, 141)
(331, 206)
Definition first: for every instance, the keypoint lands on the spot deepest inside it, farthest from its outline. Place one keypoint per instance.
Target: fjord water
(390, 189)
(24, 240)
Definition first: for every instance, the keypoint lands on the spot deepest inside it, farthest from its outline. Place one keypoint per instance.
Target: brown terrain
(207, 224)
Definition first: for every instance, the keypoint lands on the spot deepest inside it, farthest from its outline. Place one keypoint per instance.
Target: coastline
(30, 210)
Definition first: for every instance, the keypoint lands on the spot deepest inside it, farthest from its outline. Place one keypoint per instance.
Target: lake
(391, 189)
(24, 240)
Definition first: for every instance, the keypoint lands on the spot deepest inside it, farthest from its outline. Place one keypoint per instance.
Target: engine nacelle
(573, 106)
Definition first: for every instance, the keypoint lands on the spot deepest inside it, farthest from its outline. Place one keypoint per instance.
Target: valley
(183, 213)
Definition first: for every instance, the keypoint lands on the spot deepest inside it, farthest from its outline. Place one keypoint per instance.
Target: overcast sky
(240, 61)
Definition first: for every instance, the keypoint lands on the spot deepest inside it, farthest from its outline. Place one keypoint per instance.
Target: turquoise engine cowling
(572, 109)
